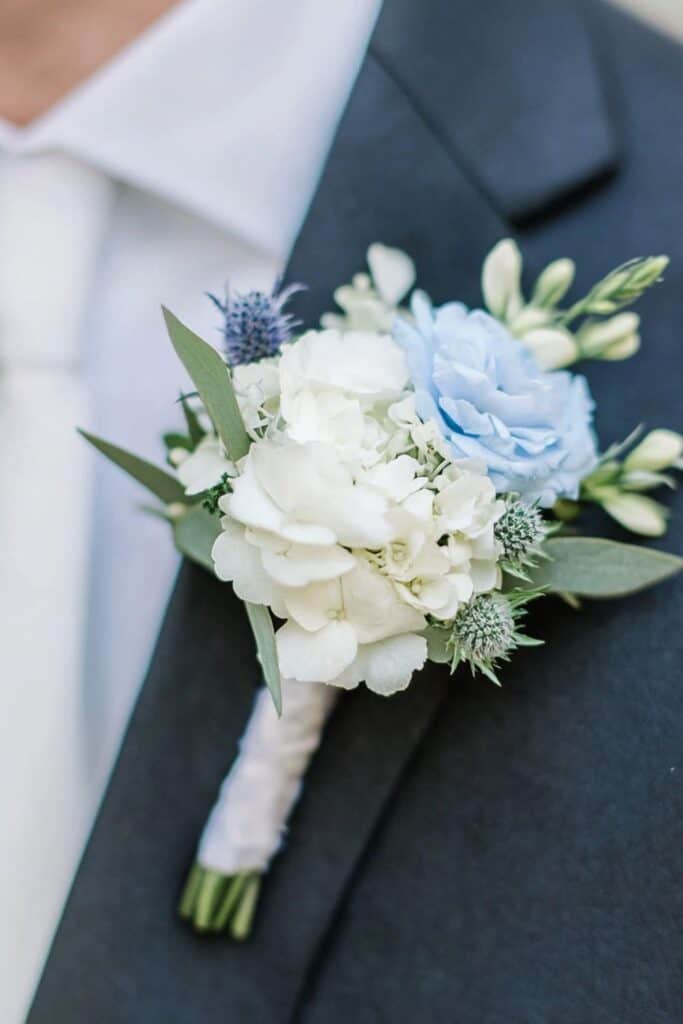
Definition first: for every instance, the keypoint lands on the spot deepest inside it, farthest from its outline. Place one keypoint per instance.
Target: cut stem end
(214, 903)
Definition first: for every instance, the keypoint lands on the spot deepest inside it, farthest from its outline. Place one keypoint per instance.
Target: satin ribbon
(248, 822)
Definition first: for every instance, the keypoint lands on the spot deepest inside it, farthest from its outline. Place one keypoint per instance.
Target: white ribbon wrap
(247, 823)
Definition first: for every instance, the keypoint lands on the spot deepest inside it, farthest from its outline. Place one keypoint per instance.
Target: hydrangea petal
(388, 666)
(239, 562)
(315, 657)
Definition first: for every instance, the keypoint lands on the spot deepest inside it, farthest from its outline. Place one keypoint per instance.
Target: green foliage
(158, 481)
(194, 534)
(215, 493)
(593, 567)
(264, 635)
(212, 379)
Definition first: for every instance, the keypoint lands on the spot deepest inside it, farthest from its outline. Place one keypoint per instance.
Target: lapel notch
(512, 89)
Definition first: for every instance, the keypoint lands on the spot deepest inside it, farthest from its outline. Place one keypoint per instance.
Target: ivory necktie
(52, 213)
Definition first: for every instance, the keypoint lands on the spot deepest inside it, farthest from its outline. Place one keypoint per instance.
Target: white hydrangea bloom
(257, 387)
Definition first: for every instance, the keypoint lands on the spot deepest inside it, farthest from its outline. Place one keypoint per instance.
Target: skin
(48, 47)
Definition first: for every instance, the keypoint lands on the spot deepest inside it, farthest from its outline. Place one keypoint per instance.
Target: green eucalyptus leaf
(592, 567)
(175, 440)
(264, 635)
(194, 427)
(212, 379)
(156, 480)
(194, 534)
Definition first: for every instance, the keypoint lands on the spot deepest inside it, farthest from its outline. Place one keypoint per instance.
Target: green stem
(241, 922)
(213, 902)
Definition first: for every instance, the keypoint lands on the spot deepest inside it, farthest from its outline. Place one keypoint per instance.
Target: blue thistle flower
(254, 324)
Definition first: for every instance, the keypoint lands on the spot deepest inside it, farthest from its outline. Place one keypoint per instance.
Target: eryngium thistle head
(484, 629)
(255, 326)
(520, 531)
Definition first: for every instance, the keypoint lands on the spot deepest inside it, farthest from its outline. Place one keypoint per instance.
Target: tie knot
(53, 210)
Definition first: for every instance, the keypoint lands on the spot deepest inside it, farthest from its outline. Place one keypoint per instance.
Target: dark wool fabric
(462, 855)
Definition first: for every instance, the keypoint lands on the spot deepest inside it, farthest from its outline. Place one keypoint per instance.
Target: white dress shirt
(188, 160)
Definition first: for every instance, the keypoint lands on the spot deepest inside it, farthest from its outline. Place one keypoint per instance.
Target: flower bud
(528, 319)
(176, 510)
(176, 456)
(553, 347)
(500, 280)
(660, 449)
(637, 513)
(553, 283)
(626, 284)
(393, 272)
(649, 271)
(616, 338)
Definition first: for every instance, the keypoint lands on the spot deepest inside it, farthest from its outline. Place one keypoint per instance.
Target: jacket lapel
(433, 158)
(513, 91)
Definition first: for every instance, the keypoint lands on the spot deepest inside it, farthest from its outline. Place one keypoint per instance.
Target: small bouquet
(391, 488)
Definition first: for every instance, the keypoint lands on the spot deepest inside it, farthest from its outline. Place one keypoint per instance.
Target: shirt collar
(220, 107)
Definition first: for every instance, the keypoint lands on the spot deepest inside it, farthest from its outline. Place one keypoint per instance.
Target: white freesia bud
(176, 510)
(637, 513)
(660, 449)
(393, 272)
(553, 347)
(177, 455)
(553, 283)
(616, 338)
(500, 280)
(529, 319)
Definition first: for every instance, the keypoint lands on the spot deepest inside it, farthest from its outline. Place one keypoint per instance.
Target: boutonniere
(393, 488)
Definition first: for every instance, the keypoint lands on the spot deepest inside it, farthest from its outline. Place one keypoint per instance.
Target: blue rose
(532, 428)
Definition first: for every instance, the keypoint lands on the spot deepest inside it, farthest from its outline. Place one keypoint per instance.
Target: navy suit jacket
(461, 855)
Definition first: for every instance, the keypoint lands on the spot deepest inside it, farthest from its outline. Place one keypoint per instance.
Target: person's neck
(47, 47)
